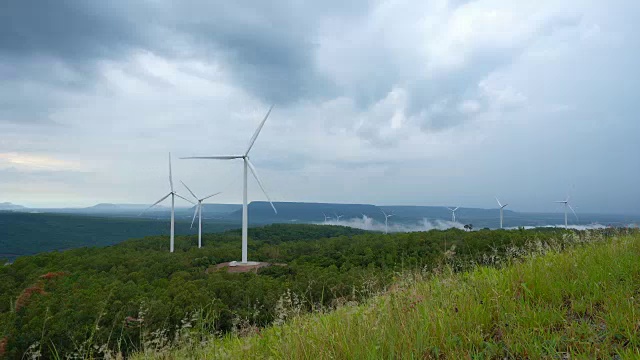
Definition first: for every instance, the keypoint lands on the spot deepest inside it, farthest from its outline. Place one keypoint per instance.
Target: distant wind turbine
(247, 166)
(567, 205)
(453, 213)
(326, 217)
(173, 194)
(386, 221)
(198, 212)
(338, 217)
(501, 209)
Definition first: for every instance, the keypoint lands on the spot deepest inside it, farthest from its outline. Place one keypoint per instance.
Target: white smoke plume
(367, 223)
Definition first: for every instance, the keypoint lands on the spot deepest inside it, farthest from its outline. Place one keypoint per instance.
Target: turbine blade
(574, 212)
(226, 157)
(183, 198)
(255, 135)
(450, 209)
(255, 175)
(457, 207)
(192, 194)
(205, 198)
(504, 206)
(154, 204)
(499, 202)
(385, 214)
(170, 174)
(194, 215)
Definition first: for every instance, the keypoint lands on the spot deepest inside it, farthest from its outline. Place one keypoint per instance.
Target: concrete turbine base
(240, 263)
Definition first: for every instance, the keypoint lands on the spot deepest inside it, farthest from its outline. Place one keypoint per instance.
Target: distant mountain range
(119, 207)
(10, 206)
(260, 212)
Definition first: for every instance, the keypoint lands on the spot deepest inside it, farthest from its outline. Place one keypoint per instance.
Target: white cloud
(31, 162)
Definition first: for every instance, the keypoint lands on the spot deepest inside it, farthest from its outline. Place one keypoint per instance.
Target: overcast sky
(387, 102)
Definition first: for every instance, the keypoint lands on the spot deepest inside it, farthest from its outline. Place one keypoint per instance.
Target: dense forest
(88, 299)
(27, 234)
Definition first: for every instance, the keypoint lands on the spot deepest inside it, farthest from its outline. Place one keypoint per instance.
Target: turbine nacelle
(499, 204)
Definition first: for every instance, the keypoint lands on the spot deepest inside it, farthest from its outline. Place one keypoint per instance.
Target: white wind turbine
(173, 195)
(453, 213)
(501, 210)
(198, 212)
(338, 217)
(326, 217)
(566, 205)
(386, 221)
(247, 166)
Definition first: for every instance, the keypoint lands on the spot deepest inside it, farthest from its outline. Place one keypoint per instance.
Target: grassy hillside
(578, 303)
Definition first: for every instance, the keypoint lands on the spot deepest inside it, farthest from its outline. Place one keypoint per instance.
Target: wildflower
(25, 296)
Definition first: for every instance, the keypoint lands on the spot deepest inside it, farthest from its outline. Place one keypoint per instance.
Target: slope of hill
(580, 303)
(134, 294)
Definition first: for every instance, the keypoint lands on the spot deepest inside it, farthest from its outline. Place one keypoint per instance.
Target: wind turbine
(198, 212)
(501, 209)
(566, 205)
(453, 213)
(338, 217)
(386, 221)
(247, 166)
(326, 217)
(173, 195)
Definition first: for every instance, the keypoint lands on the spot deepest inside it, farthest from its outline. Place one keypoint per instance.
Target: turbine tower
(173, 195)
(247, 166)
(567, 205)
(501, 209)
(386, 221)
(198, 212)
(453, 213)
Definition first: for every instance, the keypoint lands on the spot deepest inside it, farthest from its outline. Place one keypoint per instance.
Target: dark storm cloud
(268, 48)
(76, 31)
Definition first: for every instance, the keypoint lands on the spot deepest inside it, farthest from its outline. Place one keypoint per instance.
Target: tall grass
(582, 302)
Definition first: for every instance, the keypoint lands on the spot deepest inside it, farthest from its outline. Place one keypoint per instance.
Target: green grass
(581, 303)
